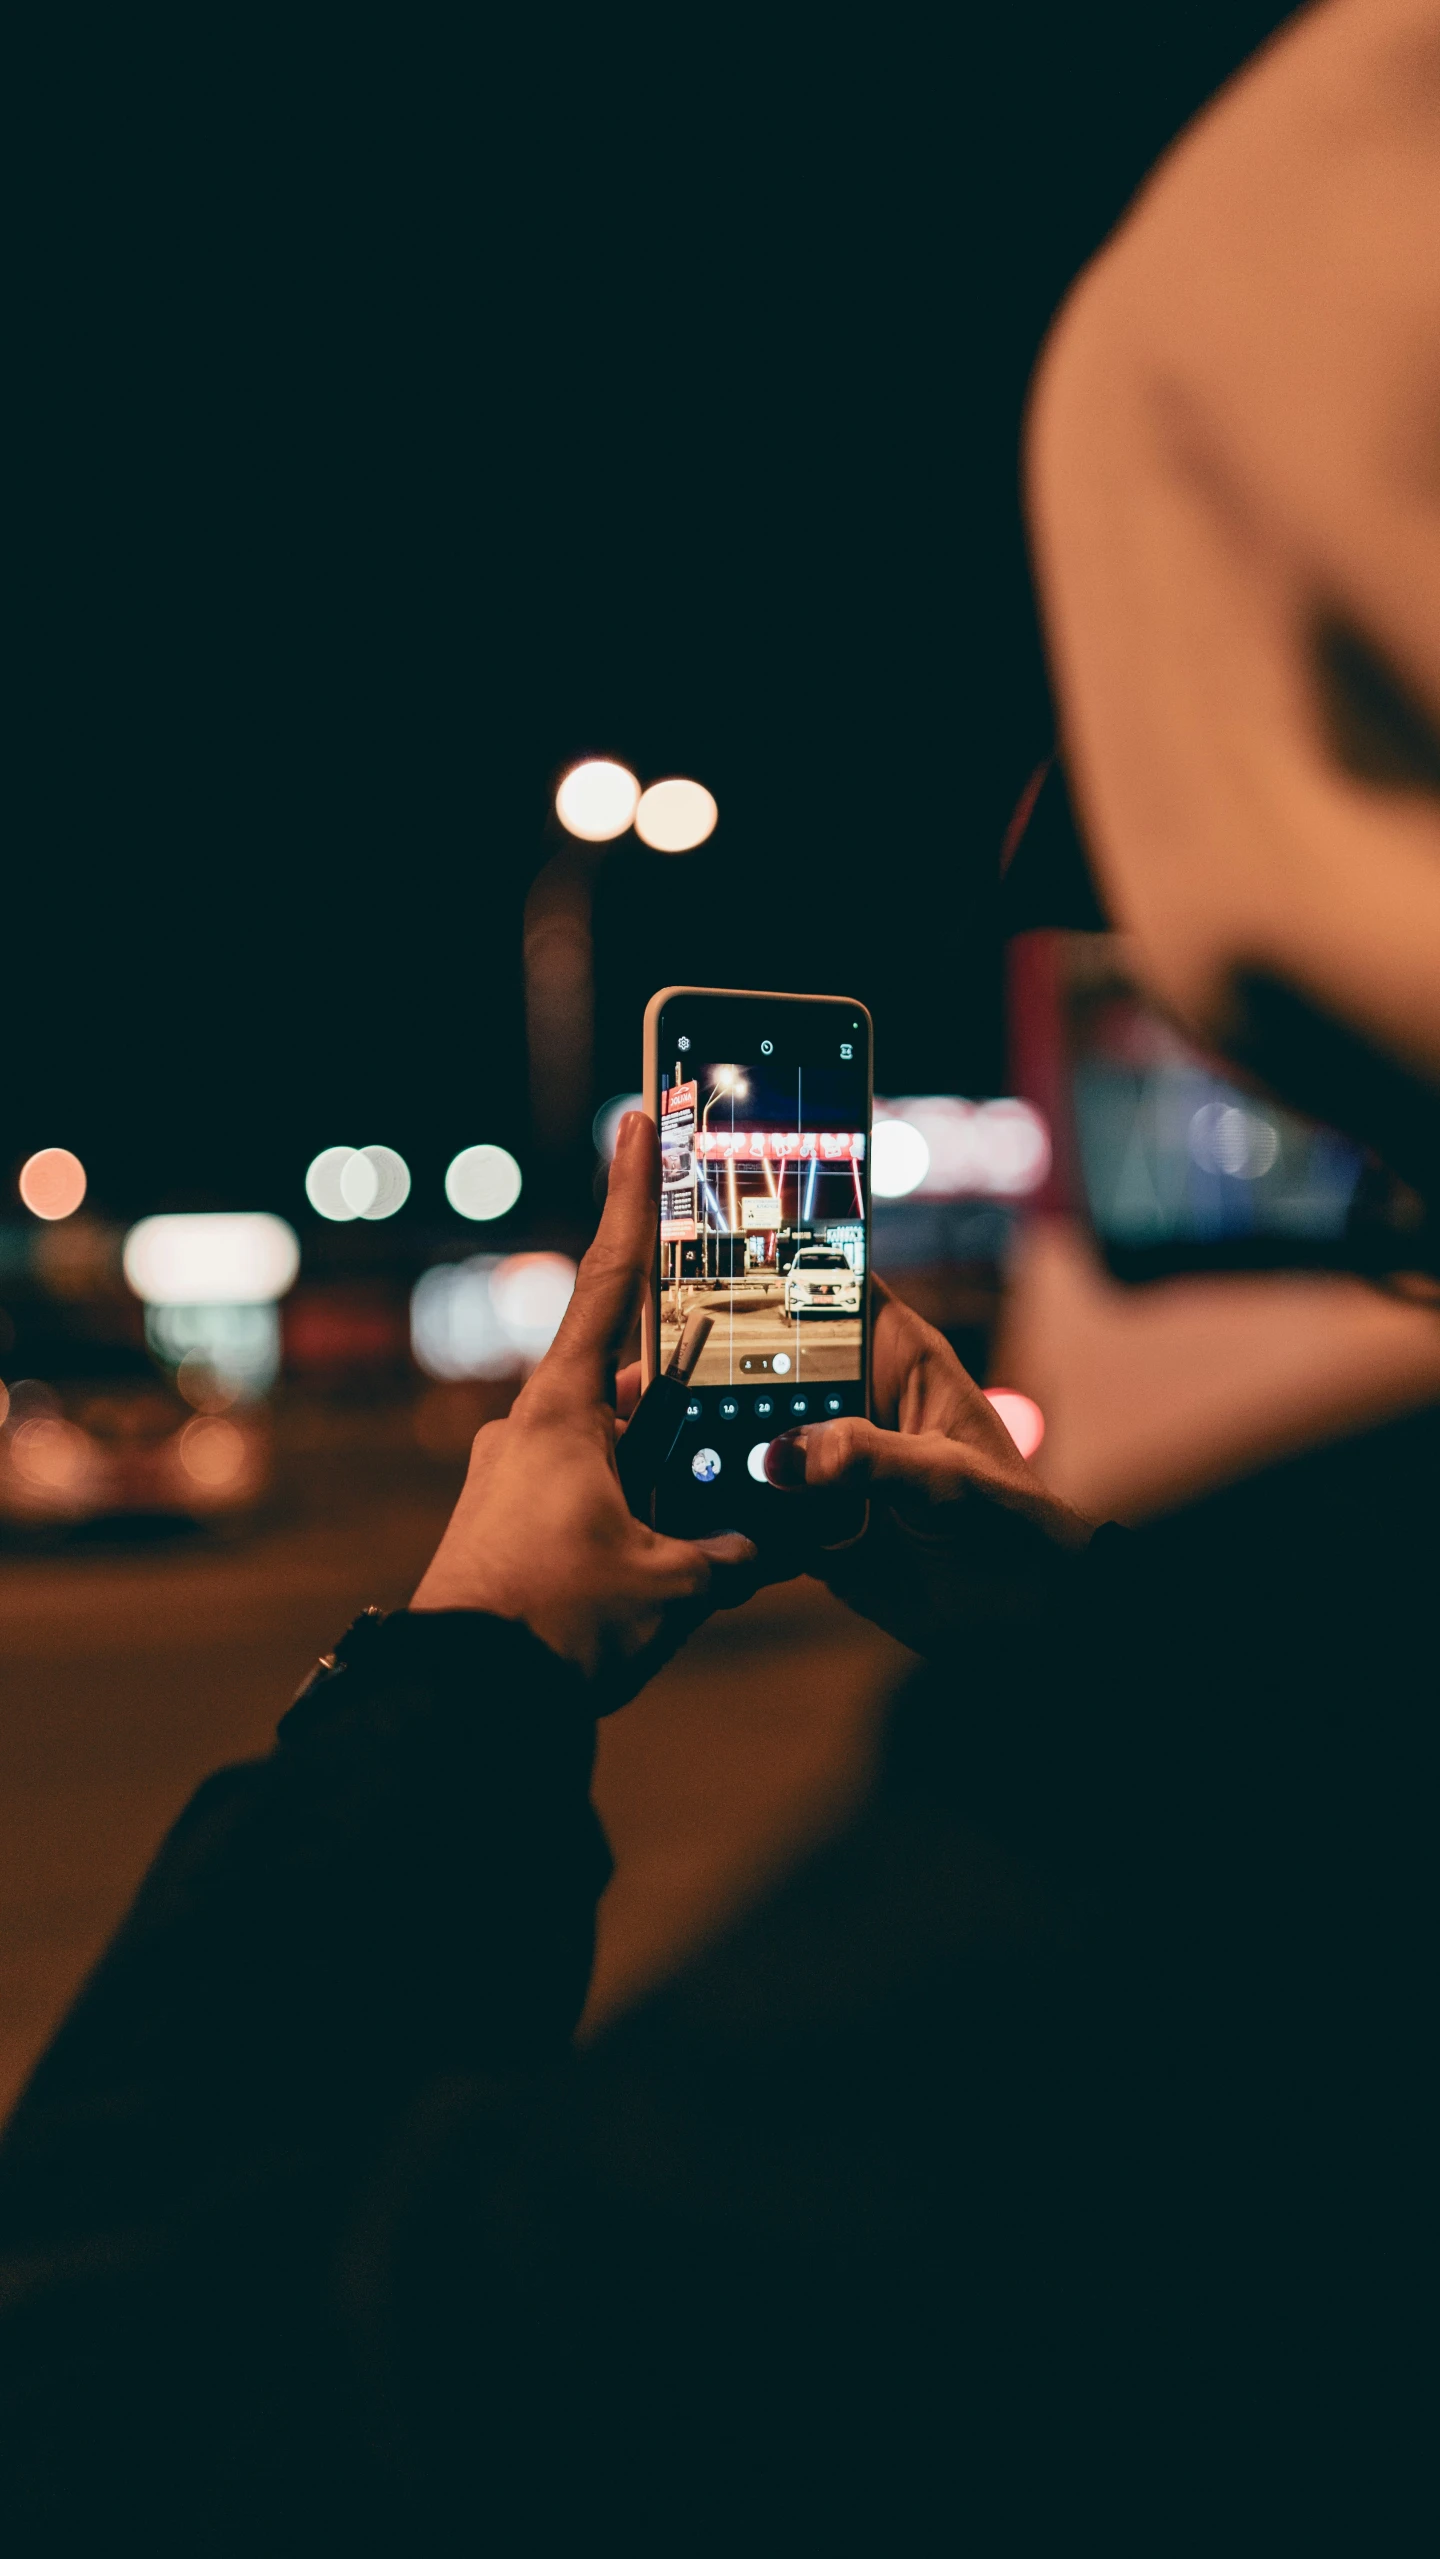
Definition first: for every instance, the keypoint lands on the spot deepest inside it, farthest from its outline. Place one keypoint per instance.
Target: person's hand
(959, 1525)
(541, 1532)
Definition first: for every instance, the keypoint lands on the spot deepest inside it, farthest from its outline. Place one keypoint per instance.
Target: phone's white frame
(650, 1311)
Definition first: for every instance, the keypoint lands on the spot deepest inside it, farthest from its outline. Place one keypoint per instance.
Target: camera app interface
(763, 1223)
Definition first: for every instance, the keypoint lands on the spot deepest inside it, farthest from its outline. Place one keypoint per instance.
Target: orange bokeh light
(52, 1455)
(52, 1183)
(212, 1451)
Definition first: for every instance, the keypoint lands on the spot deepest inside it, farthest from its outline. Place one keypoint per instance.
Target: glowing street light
(899, 1159)
(322, 1183)
(597, 801)
(52, 1183)
(483, 1182)
(211, 1259)
(729, 1083)
(375, 1182)
(675, 816)
(357, 1181)
(488, 1317)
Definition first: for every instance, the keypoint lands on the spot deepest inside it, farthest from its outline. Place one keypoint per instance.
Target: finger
(853, 1452)
(919, 1384)
(680, 1568)
(627, 1390)
(732, 1549)
(576, 1367)
(736, 1571)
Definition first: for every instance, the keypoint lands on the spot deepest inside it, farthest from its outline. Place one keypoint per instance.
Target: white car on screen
(821, 1282)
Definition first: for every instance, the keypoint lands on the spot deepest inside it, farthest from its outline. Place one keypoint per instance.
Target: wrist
(567, 1632)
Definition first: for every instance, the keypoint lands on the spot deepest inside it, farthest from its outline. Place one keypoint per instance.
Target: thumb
(610, 1279)
(852, 1452)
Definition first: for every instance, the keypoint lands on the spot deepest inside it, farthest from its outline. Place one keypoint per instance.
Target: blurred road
(750, 1330)
(126, 1676)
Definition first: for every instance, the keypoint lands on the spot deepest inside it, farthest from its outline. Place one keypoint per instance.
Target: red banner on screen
(779, 1146)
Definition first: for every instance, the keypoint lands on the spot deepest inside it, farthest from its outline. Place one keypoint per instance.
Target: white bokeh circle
(597, 800)
(483, 1182)
(675, 816)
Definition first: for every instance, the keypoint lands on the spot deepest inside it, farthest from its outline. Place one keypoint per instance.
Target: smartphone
(763, 1106)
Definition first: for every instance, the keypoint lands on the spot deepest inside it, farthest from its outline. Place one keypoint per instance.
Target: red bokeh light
(1021, 1416)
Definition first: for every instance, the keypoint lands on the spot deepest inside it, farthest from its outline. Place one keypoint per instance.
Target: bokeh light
(899, 1159)
(375, 1182)
(454, 1330)
(202, 1384)
(239, 1347)
(978, 1150)
(52, 1183)
(673, 817)
(597, 800)
(32, 1400)
(322, 1184)
(1010, 1148)
(52, 1455)
(1021, 1416)
(605, 1127)
(488, 1316)
(357, 1181)
(212, 1450)
(530, 1292)
(220, 1258)
(1226, 1139)
(483, 1182)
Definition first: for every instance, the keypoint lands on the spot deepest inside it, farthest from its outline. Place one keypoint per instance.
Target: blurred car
(821, 1282)
(122, 1441)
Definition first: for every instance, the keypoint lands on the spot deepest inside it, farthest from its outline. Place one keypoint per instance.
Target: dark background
(400, 410)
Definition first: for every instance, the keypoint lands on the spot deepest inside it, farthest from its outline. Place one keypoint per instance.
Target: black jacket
(1045, 2165)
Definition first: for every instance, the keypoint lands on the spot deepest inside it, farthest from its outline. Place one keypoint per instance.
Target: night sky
(398, 413)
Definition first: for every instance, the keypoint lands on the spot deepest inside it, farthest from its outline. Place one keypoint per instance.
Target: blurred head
(1234, 490)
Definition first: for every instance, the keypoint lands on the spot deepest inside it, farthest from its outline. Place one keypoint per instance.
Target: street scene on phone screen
(762, 1222)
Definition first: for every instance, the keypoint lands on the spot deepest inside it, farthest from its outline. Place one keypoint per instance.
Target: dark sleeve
(404, 1890)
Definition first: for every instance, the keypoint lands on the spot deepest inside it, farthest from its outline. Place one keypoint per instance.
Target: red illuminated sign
(778, 1146)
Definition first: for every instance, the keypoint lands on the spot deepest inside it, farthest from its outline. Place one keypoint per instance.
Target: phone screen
(764, 1113)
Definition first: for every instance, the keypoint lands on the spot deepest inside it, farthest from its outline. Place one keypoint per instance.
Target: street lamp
(596, 803)
(728, 1079)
